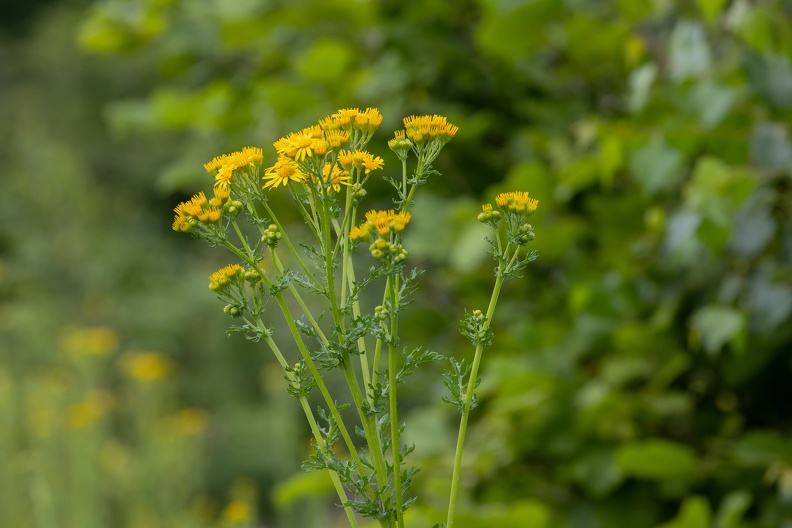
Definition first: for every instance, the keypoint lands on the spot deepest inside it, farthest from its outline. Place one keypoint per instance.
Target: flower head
(517, 202)
(248, 156)
(223, 277)
(284, 171)
(335, 176)
(422, 128)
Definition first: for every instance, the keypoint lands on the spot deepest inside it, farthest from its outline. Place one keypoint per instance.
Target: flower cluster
(429, 127)
(516, 207)
(221, 279)
(196, 209)
(315, 164)
(314, 156)
(382, 229)
(223, 167)
(425, 135)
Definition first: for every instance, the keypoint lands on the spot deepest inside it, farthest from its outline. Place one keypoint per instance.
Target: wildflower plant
(325, 168)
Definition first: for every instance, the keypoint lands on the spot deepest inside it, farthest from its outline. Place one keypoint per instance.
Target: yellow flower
(372, 163)
(383, 222)
(335, 177)
(198, 207)
(225, 276)
(329, 123)
(223, 177)
(301, 144)
(517, 202)
(346, 116)
(210, 215)
(320, 147)
(315, 131)
(237, 512)
(336, 138)
(361, 233)
(400, 221)
(359, 159)
(94, 406)
(236, 160)
(420, 128)
(98, 341)
(147, 366)
(190, 421)
(284, 171)
(368, 120)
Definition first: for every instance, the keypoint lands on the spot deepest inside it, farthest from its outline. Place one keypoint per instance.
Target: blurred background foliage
(640, 375)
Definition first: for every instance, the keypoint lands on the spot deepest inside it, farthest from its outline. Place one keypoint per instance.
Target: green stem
(291, 247)
(305, 354)
(394, 420)
(367, 420)
(470, 390)
(314, 324)
(320, 441)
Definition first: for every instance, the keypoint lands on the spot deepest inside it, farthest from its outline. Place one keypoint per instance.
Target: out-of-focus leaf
(716, 190)
(469, 249)
(501, 31)
(732, 509)
(520, 513)
(717, 325)
(657, 459)
(770, 302)
(754, 226)
(681, 242)
(611, 159)
(770, 146)
(657, 166)
(695, 513)
(640, 82)
(327, 61)
(689, 53)
(711, 8)
(711, 102)
(300, 486)
(761, 448)
(756, 29)
(597, 471)
(770, 75)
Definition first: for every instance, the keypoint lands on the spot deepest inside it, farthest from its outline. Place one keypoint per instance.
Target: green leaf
(732, 508)
(300, 486)
(756, 30)
(711, 102)
(657, 459)
(711, 8)
(327, 61)
(502, 28)
(597, 471)
(695, 513)
(611, 159)
(641, 81)
(689, 53)
(760, 449)
(716, 190)
(520, 513)
(657, 166)
(717, 325)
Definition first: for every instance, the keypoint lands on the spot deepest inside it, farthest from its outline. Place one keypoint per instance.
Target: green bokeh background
(640, 373)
